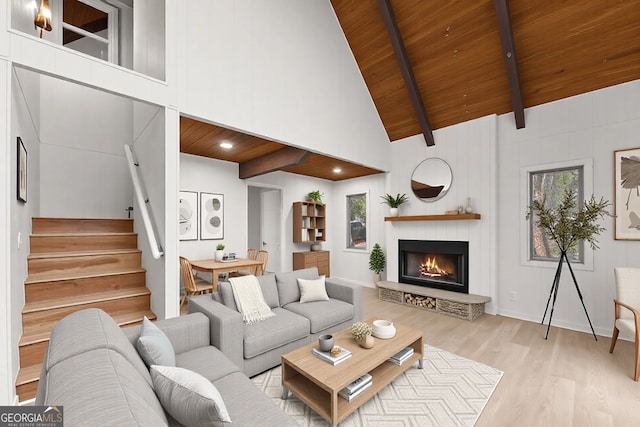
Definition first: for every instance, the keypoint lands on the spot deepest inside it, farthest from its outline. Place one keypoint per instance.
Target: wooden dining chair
(193, 285)
(263, 256)
(252, 254)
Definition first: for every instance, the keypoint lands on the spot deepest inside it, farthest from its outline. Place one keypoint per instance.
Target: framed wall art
(22, 171)
(188, 215)
(627, 194)
(211, 216)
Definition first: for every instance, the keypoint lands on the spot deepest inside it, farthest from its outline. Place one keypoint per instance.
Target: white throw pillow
(312, 290)
(189, 397)
(153, 345)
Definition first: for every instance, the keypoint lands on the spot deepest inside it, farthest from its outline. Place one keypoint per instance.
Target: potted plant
(361, 332)
(566, 225)
(376, 262)
(394, 202)
(316, 196)
(219, 252)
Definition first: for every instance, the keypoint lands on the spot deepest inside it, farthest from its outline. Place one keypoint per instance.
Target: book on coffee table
(357, 384)
(327, 357)
(349, 396)
(401, 356)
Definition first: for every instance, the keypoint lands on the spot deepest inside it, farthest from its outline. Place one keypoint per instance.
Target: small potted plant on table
(219, 252)
(394, 202)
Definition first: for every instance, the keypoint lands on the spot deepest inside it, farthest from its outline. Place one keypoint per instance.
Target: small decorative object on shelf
(394, 202)
(383, 329)
(316, 196)
(219, 252)
(361, 332)
(469, 208)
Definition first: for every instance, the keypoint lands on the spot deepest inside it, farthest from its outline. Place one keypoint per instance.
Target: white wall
(591, 125)
(280, 69)
(83, 171)
(149, 37)
(149, 151)
(470, 150)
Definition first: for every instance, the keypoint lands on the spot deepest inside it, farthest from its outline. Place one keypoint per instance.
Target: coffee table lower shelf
(318, 384)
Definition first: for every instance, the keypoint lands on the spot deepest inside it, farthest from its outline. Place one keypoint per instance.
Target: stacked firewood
(420, 301)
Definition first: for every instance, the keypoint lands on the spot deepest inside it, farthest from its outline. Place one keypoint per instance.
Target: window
(549, 186)
(357, 221)
(90, 26)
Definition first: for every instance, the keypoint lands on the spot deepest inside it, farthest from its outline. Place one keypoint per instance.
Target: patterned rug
(449, 391)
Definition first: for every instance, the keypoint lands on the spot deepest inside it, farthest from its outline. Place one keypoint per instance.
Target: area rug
(449, 391)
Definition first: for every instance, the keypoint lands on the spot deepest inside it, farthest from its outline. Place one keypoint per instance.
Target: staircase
(76, 264)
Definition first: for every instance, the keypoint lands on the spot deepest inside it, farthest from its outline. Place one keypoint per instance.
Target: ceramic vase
(219, 255)
(376, 278)
(367, 342)
(469, 208)
(393, 211)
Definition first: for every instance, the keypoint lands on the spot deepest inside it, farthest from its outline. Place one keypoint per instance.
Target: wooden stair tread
(51, 277)
(82, 253)
(28, 374)
(87, 234)
(32, 335)
(86, 298)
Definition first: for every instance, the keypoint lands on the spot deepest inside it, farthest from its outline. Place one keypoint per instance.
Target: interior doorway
(264, 228)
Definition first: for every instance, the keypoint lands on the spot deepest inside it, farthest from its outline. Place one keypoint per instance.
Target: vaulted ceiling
(455, 53)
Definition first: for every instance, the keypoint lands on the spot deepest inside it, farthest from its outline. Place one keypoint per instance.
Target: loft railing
(143, 201)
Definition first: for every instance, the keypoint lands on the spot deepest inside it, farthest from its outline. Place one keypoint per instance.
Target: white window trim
(367, 248)
(587, 169)
(112, 30)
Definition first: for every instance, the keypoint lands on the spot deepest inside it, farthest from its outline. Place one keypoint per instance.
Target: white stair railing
(143, 202)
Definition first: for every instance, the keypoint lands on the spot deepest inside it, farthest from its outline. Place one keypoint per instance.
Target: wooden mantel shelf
(445, 217)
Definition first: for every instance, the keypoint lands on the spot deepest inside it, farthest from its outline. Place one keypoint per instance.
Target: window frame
(348, 222)
(525, 225)
(112, 30)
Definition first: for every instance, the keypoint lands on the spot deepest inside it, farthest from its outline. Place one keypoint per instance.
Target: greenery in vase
(316, 196)
(376, 259)
(360, 330)
(220, 247)
(566, 224)
(394, 202)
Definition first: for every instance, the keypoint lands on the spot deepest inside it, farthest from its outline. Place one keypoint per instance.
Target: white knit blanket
(249, 299)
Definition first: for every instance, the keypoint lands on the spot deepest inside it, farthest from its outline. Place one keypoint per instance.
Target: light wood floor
(567, 380)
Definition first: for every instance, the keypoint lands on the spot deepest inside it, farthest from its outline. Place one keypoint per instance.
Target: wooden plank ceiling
(564, 48)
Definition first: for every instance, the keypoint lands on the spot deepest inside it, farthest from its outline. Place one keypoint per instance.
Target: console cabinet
(319, 259)
(309, 222)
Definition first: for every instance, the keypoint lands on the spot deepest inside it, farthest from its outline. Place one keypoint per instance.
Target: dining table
(216, 267)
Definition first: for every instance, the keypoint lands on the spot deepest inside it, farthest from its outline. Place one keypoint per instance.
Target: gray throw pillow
(153, 345)
(189, 397)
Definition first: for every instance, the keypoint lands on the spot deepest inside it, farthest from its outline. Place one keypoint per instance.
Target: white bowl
(383, 329)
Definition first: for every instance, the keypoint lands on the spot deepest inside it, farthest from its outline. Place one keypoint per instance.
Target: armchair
(627, 304)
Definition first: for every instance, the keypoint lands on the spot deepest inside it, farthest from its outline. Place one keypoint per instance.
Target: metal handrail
(156, 248)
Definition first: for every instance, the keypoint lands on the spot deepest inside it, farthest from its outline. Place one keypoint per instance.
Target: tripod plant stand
(554, 292)
(567, 226)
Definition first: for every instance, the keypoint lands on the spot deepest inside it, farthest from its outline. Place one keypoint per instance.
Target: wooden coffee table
(317, 383)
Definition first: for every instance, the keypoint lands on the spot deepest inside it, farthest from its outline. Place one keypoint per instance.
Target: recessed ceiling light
(337, 170)
(226, 145)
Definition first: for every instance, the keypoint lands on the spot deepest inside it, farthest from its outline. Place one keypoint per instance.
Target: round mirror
(431, 179)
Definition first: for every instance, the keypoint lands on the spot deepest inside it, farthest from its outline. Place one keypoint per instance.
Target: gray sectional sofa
(93, 370)
(259, 347)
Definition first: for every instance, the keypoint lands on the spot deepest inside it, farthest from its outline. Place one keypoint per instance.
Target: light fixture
(226, 145)
(337, 170)
(43, 19)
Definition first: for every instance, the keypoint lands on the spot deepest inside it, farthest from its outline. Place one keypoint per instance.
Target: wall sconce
(43, 19)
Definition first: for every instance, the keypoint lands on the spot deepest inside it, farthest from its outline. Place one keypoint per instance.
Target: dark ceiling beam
(405, 67)
(510, 59)
(288, 156)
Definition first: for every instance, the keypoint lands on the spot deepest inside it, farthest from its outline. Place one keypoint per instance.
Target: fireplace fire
(434, 263)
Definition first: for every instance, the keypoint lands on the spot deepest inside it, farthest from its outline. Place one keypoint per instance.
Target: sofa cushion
(189, 397)
(288, 290)
(208, 361)
(94, 329)
(274, 332)
(323, 314)
(267, 285)
(102, 383)
(312, 290)
(239, 394)
(153, 345)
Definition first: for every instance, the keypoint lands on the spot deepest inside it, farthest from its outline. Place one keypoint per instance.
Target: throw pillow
(153, 345)
(189, 397)
(312, 290)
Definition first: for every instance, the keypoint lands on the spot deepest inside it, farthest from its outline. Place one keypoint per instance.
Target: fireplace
(434, 264)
